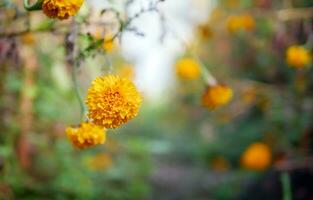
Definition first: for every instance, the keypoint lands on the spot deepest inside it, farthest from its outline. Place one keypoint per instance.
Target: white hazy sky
(153, 60)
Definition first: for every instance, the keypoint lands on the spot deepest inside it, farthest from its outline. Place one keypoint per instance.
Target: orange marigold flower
(188, 69)
(61, 9)
(256, 157)
(216, 96)
(86, 135)
(298, 56)
(112, 101)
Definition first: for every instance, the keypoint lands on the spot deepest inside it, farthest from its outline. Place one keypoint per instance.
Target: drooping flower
(240, 22)
(61, 9)
(256, 157)
(188, 69)
(112, 101)
(298, 56)
(86, 135)
(216, 96)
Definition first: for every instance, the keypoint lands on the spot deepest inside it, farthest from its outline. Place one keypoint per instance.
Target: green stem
(77, 92)
(286, 186)
(33, 7)
(206, 74)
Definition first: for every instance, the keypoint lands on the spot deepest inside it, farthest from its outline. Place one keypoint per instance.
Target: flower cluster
(61, 9)
(112, 101)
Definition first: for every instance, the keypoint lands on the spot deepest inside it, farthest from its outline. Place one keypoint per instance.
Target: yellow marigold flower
(112, 101)
(86, 135)
(100, 161)
(188, 69)
(298, 56)
(108, 43)
(61, 9)
(240, 22)
(216, 96)
(256, 157)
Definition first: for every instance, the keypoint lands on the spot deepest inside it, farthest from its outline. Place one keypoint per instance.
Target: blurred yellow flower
(86, 135)
(108, 43)
(216, 96)
(256, 157)
(61, 9)
(112, 101)
(240, 22)
(298, 56)
(188, 69)
(219, 163)
(100, 161)
(127, 71)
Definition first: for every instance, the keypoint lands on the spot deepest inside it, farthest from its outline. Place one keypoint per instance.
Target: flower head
(86, 135)
(112, 101)
(216, 96)
(61, 9)
(298, 56)
(256, 157)
(188, 69)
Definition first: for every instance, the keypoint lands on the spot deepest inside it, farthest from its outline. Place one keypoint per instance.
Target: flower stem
(286, 186)
(33, 7)
(77, 92)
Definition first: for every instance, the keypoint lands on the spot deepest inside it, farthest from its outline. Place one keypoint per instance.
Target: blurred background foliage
(175, 149)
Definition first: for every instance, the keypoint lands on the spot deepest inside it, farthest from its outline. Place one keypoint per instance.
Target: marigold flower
(61, 9)
(216, 96)
(298, 56)
(112, 101)
(256, 157)
(240, 22)
(86, 135)
(188, 69)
